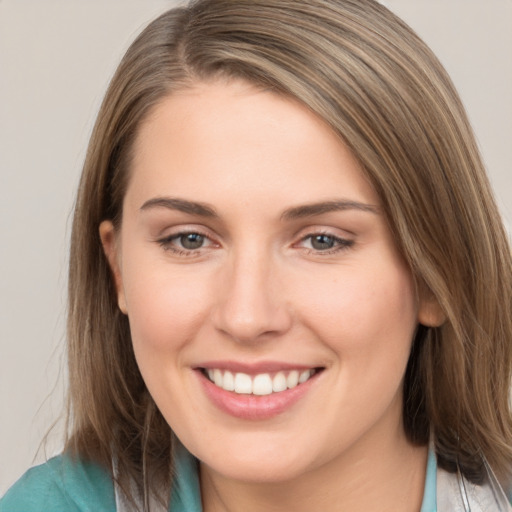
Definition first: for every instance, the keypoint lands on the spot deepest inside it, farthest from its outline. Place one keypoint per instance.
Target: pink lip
(252, 407)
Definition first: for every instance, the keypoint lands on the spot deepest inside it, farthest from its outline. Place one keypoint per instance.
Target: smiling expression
(270, 311)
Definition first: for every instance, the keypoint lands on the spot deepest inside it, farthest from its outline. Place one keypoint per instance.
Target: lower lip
(254, 407)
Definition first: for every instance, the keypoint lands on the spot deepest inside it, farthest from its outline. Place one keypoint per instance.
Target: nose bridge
(250, 304)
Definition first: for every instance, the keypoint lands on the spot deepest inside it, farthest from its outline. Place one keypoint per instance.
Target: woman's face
(254, 253)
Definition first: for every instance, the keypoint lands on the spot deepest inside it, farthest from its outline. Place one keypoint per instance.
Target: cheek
(165, 307)
(367, 320)
(363, 313)
(166, 310)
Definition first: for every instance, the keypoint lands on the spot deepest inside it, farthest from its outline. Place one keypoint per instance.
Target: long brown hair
(366, 74)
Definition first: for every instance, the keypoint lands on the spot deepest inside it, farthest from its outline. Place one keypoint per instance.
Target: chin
(258, 472)
(261, 463)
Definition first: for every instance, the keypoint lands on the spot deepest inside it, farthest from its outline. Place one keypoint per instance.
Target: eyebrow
(294, 213)
(311, 210)
(182, 205)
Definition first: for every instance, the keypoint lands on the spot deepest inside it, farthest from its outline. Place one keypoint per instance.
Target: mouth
(257, 391)
(260, 384)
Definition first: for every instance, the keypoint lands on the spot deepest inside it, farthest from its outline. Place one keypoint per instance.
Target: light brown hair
(367, 75)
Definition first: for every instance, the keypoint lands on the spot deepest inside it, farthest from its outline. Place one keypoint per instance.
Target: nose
(250, 302)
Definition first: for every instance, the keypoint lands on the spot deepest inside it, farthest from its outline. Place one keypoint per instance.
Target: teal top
(66, 485)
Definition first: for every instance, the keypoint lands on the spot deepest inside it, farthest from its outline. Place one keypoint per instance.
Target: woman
(290, 288)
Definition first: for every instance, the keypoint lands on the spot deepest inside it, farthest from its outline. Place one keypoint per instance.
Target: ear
(109, 241)
(430, 313)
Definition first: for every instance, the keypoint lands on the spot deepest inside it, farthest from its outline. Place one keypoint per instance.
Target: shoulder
(62, 484)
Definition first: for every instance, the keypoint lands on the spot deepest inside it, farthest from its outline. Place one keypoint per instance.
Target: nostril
(246, 324)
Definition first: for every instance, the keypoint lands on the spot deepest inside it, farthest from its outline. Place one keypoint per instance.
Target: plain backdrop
(56, 57)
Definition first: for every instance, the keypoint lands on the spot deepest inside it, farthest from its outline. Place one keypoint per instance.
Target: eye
(191, 241)
(325, 243)
(185, 243)
(322, 242)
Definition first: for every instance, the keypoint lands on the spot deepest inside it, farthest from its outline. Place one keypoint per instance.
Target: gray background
(56, 58)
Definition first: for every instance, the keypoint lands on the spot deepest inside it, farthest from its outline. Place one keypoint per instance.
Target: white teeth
(229, 382)
(279, 382)
(243, 384)
(292, 379)
(217, 377)
(261, 384)
(304, 376)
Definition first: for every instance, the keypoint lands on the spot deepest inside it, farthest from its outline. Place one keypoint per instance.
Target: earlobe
(110, 248)
(430, 313)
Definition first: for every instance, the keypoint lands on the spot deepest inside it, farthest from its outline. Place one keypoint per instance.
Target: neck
(372, 476)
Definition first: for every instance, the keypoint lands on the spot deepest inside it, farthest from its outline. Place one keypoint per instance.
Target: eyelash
(167, 243)
(340, 244)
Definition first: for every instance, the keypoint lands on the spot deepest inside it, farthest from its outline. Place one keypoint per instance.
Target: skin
(259, 288)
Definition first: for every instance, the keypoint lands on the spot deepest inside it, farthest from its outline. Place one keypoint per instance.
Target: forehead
(235, 136)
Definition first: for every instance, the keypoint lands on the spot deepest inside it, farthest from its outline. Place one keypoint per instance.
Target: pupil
(192, 241)
(322, 242)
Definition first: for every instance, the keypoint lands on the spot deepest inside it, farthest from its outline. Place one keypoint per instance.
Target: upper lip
(256, 367)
